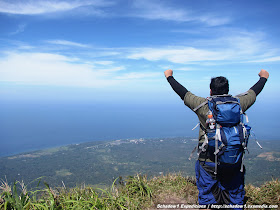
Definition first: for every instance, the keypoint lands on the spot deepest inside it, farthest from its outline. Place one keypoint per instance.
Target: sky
(116, 51)
(78, 70)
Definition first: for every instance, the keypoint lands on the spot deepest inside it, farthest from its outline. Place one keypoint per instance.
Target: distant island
(100, 163)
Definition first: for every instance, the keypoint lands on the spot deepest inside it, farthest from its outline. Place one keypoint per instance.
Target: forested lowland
(100, 163)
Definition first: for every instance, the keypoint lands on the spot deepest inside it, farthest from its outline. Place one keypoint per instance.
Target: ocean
(26, 127)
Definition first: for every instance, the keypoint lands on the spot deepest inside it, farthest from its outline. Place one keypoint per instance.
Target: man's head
(219, 86)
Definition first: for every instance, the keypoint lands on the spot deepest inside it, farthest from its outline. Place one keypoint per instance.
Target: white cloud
(104, 63)
(185, 69)
(245, 43)
(180, 55)
(271, 59)
(58, 70)
(67, 43)
(112, 69)
(20, 29)
(212, 20)
(139, 75)
(153, 10)
(156, 10)
(50, 69)
(238, 47)
(36, 7)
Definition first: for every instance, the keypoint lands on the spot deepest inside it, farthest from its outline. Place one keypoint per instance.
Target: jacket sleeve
(249, 98)
(192, 101)
(257, 88)
(177, 87)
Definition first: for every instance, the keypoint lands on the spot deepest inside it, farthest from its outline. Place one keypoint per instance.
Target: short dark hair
(219, 85)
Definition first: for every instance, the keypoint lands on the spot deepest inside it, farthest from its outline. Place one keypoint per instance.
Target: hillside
(134, 192)
(99, 163)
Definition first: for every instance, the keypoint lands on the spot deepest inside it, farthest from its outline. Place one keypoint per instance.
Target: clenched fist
(168, 73)
(264, 73)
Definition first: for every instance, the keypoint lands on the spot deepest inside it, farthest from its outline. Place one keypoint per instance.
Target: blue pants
(227, 187)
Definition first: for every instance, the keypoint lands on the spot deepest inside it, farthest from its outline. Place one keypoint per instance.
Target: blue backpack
(227, 137)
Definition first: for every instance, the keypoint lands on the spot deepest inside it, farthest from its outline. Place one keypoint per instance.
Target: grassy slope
(134, 192)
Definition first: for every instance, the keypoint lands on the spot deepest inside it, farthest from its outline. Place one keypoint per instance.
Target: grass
(268, 193)
(133, 192)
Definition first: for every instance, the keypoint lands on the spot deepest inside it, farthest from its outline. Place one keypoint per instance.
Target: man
(227, 186)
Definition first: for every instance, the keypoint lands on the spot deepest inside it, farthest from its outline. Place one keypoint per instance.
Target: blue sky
(116, 51)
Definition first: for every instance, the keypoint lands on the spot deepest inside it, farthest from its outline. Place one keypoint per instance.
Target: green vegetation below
(100, 163)
(133, 192)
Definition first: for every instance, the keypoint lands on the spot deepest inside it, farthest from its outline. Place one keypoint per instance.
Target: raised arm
(176, 86)
(249, 99)
(257, 88)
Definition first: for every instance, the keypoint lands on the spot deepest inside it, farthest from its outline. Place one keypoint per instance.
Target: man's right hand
(168, 73)
(264, 73)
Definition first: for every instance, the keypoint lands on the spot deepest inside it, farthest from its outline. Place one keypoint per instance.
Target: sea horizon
(30, 127)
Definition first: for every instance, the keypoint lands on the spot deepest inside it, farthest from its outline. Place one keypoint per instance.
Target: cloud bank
(39, 7)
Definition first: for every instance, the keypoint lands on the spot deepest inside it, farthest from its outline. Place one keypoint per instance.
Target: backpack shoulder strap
(200, 105)
(203, 103)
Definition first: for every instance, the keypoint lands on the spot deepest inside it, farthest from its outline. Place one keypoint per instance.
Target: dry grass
(134, 192)
(268, 193)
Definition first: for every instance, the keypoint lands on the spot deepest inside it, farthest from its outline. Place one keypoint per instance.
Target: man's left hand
(168, 73)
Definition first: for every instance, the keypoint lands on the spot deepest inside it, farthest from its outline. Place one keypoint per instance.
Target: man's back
(192, 101)
(226, 187)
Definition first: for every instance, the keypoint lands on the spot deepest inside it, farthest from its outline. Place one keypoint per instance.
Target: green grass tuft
(268, 193)
(133, 192)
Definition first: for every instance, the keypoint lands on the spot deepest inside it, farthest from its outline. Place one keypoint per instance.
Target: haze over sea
(26, 127)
